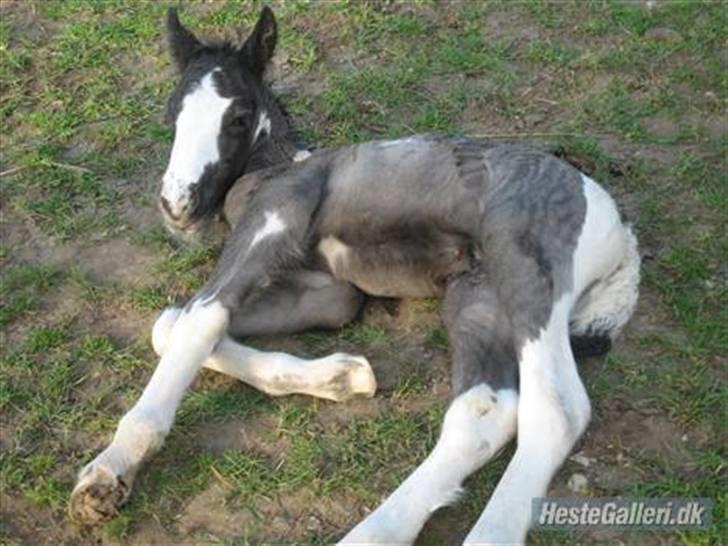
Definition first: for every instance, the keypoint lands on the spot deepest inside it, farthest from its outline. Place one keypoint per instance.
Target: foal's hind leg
(480, 420)
(552, 414)
(308, 299)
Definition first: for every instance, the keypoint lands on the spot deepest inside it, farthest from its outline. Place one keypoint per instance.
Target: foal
(524, 250)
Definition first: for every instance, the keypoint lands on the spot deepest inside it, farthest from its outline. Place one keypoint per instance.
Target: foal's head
(223, 115)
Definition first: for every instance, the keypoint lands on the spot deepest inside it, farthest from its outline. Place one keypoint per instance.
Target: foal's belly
(395, 269)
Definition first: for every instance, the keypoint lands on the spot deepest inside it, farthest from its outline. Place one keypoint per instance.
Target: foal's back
(399, 218)
(455, 183)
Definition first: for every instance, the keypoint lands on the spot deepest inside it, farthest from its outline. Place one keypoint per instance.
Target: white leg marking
(553, 412)
(197, 128)
(477, 425)
(193, 338)
(143, 429)
(337, 377)
(273, 224)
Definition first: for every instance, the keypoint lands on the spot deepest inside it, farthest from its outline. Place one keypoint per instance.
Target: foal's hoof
(355, 378)
(97, 496)
(361, 377)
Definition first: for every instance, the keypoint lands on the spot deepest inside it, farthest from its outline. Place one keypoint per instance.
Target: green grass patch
(550, 53)
(438, 338)
(217, 404)
(21, 288)
(375, 454)
(363, 334)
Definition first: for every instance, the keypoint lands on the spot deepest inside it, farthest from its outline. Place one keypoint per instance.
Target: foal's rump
(606, 275)
(538, 207)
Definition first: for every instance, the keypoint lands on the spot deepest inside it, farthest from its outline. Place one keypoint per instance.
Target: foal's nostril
(168, 209)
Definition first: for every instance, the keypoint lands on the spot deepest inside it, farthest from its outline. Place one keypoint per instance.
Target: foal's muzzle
(178, 216)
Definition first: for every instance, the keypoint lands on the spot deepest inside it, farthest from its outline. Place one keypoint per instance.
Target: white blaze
(195, 143)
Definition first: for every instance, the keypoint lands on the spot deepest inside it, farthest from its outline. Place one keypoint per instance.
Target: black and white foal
(523, 249)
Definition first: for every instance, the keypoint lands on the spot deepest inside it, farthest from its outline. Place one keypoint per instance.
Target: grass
(82, 92)
(22, 287)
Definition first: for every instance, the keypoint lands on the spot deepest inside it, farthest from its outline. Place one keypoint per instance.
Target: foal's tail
(604, 308)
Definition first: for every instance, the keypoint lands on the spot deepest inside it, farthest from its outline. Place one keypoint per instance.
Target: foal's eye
(239, 121)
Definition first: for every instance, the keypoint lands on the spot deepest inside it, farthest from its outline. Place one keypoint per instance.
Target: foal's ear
(182, 43)
(258, 48)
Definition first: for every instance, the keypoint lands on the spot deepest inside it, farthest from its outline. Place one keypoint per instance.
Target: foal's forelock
(196, 144)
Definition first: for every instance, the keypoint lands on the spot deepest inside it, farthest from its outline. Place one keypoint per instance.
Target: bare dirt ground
(634, 94)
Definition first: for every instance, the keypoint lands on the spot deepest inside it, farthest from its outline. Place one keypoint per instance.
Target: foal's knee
(163, 328)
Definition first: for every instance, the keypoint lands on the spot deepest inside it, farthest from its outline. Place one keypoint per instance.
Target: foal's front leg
(104, 484)
(269, 240)
(337, 377)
